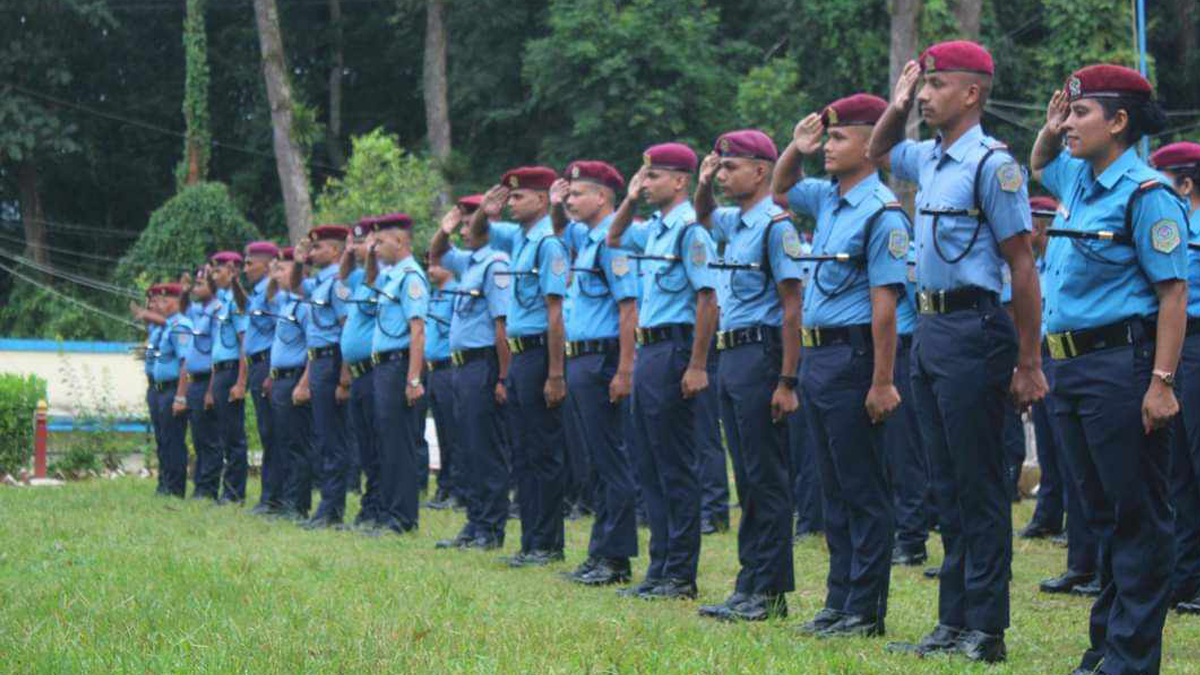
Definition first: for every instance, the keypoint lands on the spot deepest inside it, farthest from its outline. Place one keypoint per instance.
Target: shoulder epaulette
(994, 144)
(782, 215)
(893, 205)
(1146, 185)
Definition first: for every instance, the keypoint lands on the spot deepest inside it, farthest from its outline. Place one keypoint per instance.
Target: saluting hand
(882, 401)
(1159, 406)
(451, 220)
(636, 184)
(1056, 112)
(695, 380)
(558, 191)
(708, 168)
(807, 134)
(494, 200)
(906, 86)
(784, 402)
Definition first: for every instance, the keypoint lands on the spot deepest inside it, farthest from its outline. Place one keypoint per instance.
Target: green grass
(103, 577)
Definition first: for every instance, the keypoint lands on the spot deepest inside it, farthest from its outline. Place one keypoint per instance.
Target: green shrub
(19, 396)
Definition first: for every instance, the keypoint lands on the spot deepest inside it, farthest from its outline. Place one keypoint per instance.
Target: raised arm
(441, 238)
(558, 205)
(624, 214)
(806, 140)
(493, 204)
(704, 202)
(889, 130)
(346, 264)
(1048, 144)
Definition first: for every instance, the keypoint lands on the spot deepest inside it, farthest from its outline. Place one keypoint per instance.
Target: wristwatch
(415, 382)
(1167, 377)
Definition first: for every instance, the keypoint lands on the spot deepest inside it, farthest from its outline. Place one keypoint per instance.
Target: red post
(39, 440)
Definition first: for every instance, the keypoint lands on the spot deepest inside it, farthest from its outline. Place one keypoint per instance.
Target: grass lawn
(103, 577)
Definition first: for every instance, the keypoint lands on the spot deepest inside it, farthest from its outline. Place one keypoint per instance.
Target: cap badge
(575, 171)
(645, 159)
(930, 62)
(831, 114)
(1074, 86)
(513, 182)
(723, 145)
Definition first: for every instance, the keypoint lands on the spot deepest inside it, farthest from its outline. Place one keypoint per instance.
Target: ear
(1118, 123)
(1187, 187)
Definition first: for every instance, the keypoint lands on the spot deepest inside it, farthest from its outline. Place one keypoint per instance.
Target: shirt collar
(600, 231)
(958, 150)
(326, 273)
(860, 191)
(1117, 169)
(261, 286)
(481, 253)
(541, 228)
(676, 216)
(758, 214)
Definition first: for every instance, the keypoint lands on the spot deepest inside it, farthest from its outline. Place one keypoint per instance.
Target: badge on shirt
(342, 290)
(558, 266)
(898, 244)
(416, 291)
(1010, 177)
(791, 243)
(501, 280)
(620, 265)
(699, 254)
(1165, 235)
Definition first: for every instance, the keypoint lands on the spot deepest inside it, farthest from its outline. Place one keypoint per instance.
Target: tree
(337, 69)
(437, 109)
(903, 48)
(289, 156)
(198, 139)
(967, 12)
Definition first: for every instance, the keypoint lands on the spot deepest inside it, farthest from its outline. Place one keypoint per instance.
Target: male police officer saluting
(228, 383)
(260, 333)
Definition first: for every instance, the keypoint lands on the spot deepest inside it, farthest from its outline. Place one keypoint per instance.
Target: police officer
(171, 388)
(760, 352)
(600, 356)
(228, 382)
(356, 380)
(324, 313)
(398, 351)
(973, 215)
(256, 345)
(1181, 163)
(440, 385)
(536, 385)
(291, 413)
(201, 312)
(849, 336)
(479, 351)
(151, 315)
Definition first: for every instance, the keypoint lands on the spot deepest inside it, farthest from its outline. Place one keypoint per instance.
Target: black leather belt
(905, 341)
(956, 300)
(586, 347)
(222, 366)
(524, 343)
(286, 373)
(728, 339)
(322, 352)
(672, 331)
(440, 364)
(1072, 343)
(464, 356)
(259, 357)
(166, 385)
(836, 335)
(360, 368)
(150, 381)
(390, 355)
(199, 377)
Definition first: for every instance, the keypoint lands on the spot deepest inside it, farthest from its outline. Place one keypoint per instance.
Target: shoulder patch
(559, 265)
(501, 280)
(416, 290)
(1010, 177)
(782, 215)
(699, 255)
(898, 244)
(620, 264)
(1165, 236)
(342, 291)
(791, 243)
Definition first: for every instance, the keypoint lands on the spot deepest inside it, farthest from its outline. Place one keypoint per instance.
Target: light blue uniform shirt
(753, 298)
(945, 180)
(1095, 283)
(405, 283)
(361, 308)
(594, 294)
(906, 304)
(260, 330)
(173, 341)
(669, 288)
(153, 331)
(1193, 308)
(838, 293)
(325, 311)
(437, 324)
(231, 326)
(288, 349)
(474, 322)
(204, 328)
(538, 249)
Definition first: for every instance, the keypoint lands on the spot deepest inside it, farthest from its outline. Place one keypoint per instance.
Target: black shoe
(636, 590)
(291, 516)
(321, 523)
(909, 558)
(536, 558)
(439, 501)
(983, 647)
(462, 540)
(853, 625)
(261, 509)
(943, 639)
(1191, 606)
(713, 525)
(586, 566)
(758, 607)
(1089, 590)
(932, 572)
(1059, 540)
(1039, 531)
(671, 589)
(1064, 583)
(824, 619)
(484, 542)
(722, 610)
(606, 572)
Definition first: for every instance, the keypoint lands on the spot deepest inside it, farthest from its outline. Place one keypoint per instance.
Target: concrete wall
(82, 376)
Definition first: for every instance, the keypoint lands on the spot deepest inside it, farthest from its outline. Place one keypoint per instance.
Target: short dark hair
(1145, 116)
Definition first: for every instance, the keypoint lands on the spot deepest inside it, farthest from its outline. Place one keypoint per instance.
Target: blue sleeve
(1004, 191)
(553, 263)
(1060, 174)
(497, 295)
(906, 160)
(805, 197)
(456, 261)
(1160, 236)
(636, 236)
(501, 235)
(240, 323)
(181, 335)
(414, 295)
(339, 305)
(355, 279)
(887, 252)
(575, 237)
(698, 251)
(307, 285)
(784, 238)
(620, 272)
(724, 220)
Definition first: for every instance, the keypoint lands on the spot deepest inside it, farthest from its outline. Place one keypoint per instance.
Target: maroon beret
(529, 178)
(1043, 207)
(334, 232)
(390, 221)
(670, 157)
(748, 143)
(856, 110)
(470, 203)
(596, 172)
(226, 257)
(288, 253)
(961, 56)
(1107, 81)
(262, 248)
(170, 289)
(1182, 155)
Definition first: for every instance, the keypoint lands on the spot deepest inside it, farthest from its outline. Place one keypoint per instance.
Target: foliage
(195, 95)
(770, 98)
(19, 396)
(33, 312)
(381, 177)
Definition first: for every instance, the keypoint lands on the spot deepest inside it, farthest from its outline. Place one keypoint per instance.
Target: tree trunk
(32, 216)
(337, 154)
(437, 110)
(906, 16)
(289, 158)
(1185, 45)
(196, 146)
(967, 12)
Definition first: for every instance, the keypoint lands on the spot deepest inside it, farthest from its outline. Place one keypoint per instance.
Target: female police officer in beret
(1116, 294)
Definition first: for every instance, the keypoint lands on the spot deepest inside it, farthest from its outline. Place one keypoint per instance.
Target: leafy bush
(19, 396)
(33, 312)
(96, 413)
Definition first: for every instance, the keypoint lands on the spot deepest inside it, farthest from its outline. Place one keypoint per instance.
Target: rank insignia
(620, 265)
(1165, 235)
(898, 244)
(1010, 177)
(358, 231)
(699, 254)
(724, 145)
(575, 172)
(791, 244)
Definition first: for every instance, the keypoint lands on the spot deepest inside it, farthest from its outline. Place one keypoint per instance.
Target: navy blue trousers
(614, 528)
(257, 374)
(908, 462)
(483, 463)
(354, 470)
(711, 467)
(394, 419)
(206, 439)
(1122, 477)
(850, 452)
(1014, 449)
(420, 414)
(664, 425)
(538, 453)
(580, 486)
(439, 389)
(155, 430)
(806, 476)
(362, 418)
(231, 427)
(762, 467)
(1083, 548)
(293, 428)
(1052, 493)
(329, 436)
(173, 454)
(962, 366)
(1185, 474)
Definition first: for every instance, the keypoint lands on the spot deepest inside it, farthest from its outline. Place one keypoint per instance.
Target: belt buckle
(926, 303)
(571, 349)
(1057, 349)
(514, 345)
(640, 334)
(721, 340)
(456, 358)
(810, 337)
(429, 366)
(375, 358)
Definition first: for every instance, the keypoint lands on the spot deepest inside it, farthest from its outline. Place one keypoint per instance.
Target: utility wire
(50, 289)
(95, 284)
